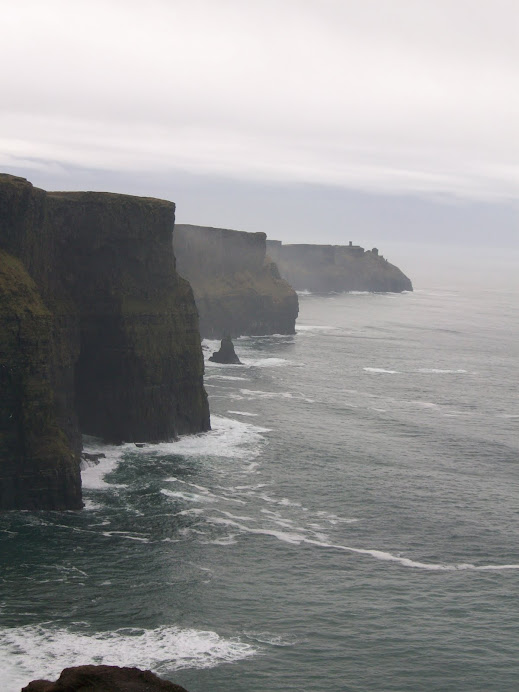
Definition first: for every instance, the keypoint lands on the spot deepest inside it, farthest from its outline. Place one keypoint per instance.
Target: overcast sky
(331, 113)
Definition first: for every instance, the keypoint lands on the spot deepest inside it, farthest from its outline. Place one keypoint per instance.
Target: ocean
(351, 522)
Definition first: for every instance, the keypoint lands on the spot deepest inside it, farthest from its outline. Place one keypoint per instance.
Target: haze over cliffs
(98, 335)
(238, 289)
(325, 268)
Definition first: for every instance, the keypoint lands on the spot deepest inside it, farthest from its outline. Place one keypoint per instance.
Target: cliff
(237, 287)
(99, 335)
(325, 268)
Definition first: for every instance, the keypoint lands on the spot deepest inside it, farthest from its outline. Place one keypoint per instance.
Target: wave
(264, 362)
(382, 370)
(312, 327)
(228, 438)
(93, 472)
(297, 538)
(225, 377)
(437, 371)
(242, 413)
(39, 651)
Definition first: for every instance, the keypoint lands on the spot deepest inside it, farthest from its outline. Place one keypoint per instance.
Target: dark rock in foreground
(237, 287)
(326, 268)
(104, 679)
(226, 354)
(98, 335)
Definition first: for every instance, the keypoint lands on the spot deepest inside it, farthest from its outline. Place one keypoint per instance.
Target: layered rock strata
(325, 268)
(99, 335)
(238, 289)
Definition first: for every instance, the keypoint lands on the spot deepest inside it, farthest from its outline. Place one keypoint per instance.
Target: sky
(376, 121)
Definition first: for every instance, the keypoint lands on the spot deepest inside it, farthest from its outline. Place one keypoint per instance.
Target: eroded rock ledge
(325, 268)
(238, 289)
(98, 335)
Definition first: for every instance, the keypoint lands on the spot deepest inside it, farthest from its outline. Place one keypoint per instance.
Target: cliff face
(99, 335)
(38, 463)
(324, 268)
(238, 289)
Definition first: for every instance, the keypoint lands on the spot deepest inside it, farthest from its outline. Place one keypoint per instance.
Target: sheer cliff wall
(324, 268)
(238, 289)
(99, 335)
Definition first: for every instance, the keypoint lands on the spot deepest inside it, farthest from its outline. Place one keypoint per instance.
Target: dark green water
(351, 523)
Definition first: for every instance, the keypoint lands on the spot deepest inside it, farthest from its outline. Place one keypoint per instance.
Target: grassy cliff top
(106, 197)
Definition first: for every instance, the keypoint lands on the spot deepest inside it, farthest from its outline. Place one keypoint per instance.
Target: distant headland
(325, 268)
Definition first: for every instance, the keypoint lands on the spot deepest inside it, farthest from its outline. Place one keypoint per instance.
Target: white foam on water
(272, 639)
(425, 404)
(210, 364)
(294, 538)
(226, 377)
(210, 345)
(382, 370)
(38, 651)
(304, 292)
(228, 438)
(264, 362)
(252, 394)
(188, 497)
(284, 501)
(437, 371)
(312, 327)
(298, 538)
(259, 394)
(235, 516)
(93, 472)
(90, 505)
(225, 540)
(207, 493)
(126, 535)
(204, 496)
(243, 413)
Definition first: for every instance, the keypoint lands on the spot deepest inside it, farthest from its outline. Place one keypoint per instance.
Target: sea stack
(98, 335)
(226, 354)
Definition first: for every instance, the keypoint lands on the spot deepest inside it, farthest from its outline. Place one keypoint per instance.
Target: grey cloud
(407, 96)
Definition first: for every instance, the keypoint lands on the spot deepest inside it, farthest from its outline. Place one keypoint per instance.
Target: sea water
(350, 523)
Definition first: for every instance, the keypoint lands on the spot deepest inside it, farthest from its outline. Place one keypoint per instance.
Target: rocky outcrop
(98, 335)
(104, 679)
(238, 289)
(325, 268)
(226, 354)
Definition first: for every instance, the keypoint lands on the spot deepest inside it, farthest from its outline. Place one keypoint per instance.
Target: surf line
(407, 562)
(297, 539)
